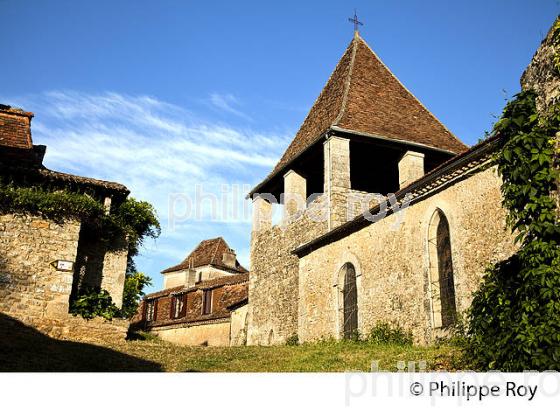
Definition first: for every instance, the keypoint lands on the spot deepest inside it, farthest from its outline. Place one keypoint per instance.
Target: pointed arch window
(350, 301)
(442, 283)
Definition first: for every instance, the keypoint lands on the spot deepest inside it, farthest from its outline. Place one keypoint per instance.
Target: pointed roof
(364, 97)
(208, 252)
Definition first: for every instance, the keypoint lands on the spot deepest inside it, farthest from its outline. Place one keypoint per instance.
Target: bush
(385, 333)
(141, 335)
(293, 340)
(94, 302)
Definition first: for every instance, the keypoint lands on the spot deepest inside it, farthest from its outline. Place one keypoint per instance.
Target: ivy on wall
(135, 220)
(514, 320)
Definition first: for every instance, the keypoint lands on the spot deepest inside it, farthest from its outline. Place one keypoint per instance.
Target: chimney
(229, 258)
(15, 128)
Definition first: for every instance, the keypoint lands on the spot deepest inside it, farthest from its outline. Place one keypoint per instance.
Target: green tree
(134, 285)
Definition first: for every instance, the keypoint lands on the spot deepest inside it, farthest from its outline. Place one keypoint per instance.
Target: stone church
(387, 216)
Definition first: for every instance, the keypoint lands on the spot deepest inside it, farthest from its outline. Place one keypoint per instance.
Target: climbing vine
(135, 220)
(514, 320)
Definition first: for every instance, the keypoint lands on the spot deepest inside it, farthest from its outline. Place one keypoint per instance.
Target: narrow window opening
(178, 306)
(207, 302)
(442, 283)
(150, 310)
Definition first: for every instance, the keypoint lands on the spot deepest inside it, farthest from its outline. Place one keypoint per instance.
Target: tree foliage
(134, 285)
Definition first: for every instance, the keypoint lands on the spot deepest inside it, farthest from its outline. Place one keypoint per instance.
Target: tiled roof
(21, 159)
(362, 95)
(62, 176)
(205, 284)
(40, 174)
(224, 280)
(208, 252)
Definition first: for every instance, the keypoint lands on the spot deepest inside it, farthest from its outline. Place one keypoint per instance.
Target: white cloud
(156, 149)
(228, 103)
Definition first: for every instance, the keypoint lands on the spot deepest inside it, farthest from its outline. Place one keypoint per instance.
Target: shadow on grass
(24, 349)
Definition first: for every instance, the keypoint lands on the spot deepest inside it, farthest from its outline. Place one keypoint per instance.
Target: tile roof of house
(40, 174)
(205, 284)
(362, 95)
(208, 252)
(25, 161)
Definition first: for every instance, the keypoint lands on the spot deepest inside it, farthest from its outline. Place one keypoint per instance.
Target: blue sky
(165, 95)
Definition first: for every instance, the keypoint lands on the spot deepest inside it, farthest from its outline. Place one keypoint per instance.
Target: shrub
(293, 340)
(386, 333)
(94, 302)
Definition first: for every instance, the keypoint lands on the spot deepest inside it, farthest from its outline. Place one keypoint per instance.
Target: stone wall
(392, 262)
(114, 269)
(273, 281)
(541, 76)
(30, 287)
(100, 264)
(96, 330)
(216, 333)
(238, 326)
(33, 291)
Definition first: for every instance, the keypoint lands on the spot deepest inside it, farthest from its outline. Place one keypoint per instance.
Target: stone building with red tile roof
(212, 258)
(387, 216)
(44, 263)
(204, 300)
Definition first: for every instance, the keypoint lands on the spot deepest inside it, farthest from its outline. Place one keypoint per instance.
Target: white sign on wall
(64, 266)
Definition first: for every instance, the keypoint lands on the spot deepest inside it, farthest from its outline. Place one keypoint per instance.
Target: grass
(326, 356)
(24, 349)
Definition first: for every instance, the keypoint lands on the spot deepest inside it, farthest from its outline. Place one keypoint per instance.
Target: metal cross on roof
(355, 21)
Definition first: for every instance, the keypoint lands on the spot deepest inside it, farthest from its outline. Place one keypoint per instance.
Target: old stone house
(388, 217)
(212, 258)
(44, 263)
(204, 301)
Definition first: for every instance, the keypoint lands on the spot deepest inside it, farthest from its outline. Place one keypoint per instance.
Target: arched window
(350, 301)
(442, 286)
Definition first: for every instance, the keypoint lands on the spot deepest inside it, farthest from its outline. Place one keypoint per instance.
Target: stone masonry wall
(96, 330)
(29, 286)
(273, 282)
(101, 265)
(392, 262)
(541, 76)
(238, 326)
(114, 270)
(207, 334)
(33, 291)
